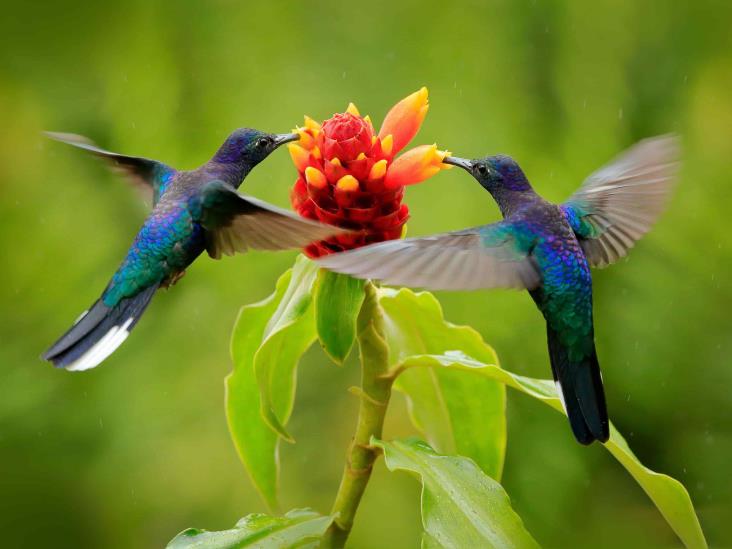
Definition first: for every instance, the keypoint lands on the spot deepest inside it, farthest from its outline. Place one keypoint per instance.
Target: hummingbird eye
(482, 169)
(263, 142)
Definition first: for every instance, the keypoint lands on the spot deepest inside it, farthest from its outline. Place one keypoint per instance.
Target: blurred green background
(130, 453)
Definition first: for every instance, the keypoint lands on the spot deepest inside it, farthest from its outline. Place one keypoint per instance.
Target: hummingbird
(193, 211)
(544, 248)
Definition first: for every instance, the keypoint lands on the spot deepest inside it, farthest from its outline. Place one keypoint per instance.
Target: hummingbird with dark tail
(193, 211)
(545, 248)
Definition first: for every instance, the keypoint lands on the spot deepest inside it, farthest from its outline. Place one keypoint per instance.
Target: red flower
(349, 177)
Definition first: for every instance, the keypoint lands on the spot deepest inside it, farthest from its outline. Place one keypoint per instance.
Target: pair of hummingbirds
(541, 247)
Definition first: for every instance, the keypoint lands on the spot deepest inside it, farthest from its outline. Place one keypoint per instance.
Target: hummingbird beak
(463, 163)
(282, 138)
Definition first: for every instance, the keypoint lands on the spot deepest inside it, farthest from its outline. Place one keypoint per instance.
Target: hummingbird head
(246, 147)
(494, 172)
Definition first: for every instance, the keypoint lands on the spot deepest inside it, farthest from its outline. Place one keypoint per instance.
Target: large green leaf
(668, 494)
(299, 528)
(461, 505)
(458, 414)
(288, 334)
(338, 300)
(257, 342)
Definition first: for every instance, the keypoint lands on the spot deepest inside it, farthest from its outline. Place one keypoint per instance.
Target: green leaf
(668, 494)
(289, 333)
(257, 342)
(338, 300)
(461, 505)
(299, 528)
(458, 414)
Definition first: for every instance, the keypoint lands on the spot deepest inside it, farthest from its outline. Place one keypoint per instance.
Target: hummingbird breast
(565, 296)
(166, 244)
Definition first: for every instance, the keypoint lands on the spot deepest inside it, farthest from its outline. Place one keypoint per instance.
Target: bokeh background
(130, 453)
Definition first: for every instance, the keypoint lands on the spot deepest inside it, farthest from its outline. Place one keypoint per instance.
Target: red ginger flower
(350, 178)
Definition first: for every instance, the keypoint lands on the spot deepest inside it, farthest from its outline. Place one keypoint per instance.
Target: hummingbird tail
(98, 332)
(579, 384)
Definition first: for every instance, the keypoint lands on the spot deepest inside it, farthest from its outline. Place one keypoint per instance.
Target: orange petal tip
(405, 118)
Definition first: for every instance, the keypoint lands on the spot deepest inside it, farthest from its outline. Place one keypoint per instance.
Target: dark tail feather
(580, 386)
(98, 332)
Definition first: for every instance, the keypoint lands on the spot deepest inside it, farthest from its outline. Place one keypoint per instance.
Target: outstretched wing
(149, 175)
(235, 223)
(483, 257)
(617, 205)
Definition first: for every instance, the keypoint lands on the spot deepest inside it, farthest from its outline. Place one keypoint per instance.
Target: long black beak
(283, 138)
(464, 163)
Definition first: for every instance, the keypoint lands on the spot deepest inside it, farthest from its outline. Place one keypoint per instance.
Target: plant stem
(375, 392)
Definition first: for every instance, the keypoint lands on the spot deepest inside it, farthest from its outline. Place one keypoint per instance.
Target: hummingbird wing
(488, 256)
(235, 223)
(617, 204)
(150, 176)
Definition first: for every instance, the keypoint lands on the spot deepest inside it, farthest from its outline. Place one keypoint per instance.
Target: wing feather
(483, 257)
(149, 176)
(619, 203)
(236, 223)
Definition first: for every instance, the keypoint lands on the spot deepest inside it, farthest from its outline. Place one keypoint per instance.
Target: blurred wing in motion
(150, 176)
(482, 257)
(235, 223)
(617, 205)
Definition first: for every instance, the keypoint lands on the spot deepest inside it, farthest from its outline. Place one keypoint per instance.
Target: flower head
(349, 176)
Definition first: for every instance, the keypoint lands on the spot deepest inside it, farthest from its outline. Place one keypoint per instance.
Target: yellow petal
(299, 156)
(306, 140)
(347, 183)
(311, 124)
(316, 153)
(361, 156)
(378, 170)
(336, 161)
(405, 118)
(315, 177)
(351, 109)
(387, 144)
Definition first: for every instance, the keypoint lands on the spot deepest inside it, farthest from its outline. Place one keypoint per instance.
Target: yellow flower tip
(387, 144)
(306, 140)
(311, 124)
(378, 170)
(367, 119)
(347, 183)
(336, 161)
(373, 140)
(442, 155)
(361, 156)
(352, 109)
(315, 177)
(316, 153)
(299, 156)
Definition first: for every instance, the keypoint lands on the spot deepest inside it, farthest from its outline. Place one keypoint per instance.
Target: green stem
(375, 393)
